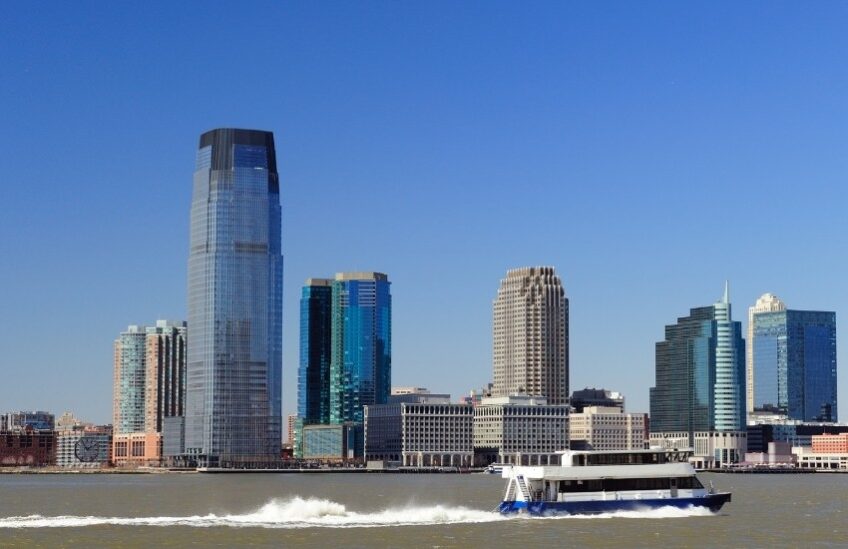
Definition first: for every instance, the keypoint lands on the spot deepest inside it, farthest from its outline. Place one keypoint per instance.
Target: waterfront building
(809, 459)
(700, 374)
(777, 453)
(313, 380)
(530, 335)
(766, 303)
(830, 443)
(149, 376)
(607, 428)
(521, 430)
(794, 364)
(361, 356)
(420, 429)
(342, 442)
(596, 397)
(14, 421)
(235, 284)
(137, 449)
(795, 433)
(291, 422)
(417, 394)
(84, 448)
(27, 447)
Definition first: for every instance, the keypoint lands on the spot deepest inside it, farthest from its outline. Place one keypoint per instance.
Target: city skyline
(559, 147)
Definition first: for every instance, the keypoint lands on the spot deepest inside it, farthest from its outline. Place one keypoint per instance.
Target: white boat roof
(601, 471)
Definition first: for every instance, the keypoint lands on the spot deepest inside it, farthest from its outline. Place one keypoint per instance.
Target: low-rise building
(710, 448)
(137, 449)
(808, 459)
(830, 444)
(779, 453)
(521, 430)
(333, 443)
(83, 448)
(425, 431)
(40, 421)
(596, 397)
(27, 447)
(607, 428)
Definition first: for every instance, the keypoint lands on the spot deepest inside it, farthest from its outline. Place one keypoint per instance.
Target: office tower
(150, 364)
(794, 364)
(700, 374)
(313, 380)
(235, 285)
(531, 335)
(767, 303)
(361, 356)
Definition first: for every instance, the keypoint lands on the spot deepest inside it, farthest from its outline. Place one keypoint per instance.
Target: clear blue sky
(648, 151)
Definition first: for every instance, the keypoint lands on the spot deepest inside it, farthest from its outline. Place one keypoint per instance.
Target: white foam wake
(294, 513)
(656, 513)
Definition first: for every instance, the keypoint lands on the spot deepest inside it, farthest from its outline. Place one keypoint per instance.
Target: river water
(388, 510)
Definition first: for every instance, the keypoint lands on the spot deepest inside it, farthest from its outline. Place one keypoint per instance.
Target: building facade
(38, 420)
(520, 430)
(830, 444)
(530, 335)
(341, 442)
(361, 356)
(137, 449)
(794, 364)
(700, 374)
(313, 380)
(766, 303)
(83, 448)
(607, 428)
(596, 397)
(235, 286)
(420, 430)
(130, 377)
(27, 447)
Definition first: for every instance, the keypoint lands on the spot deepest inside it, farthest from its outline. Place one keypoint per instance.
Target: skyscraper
(700, 373)
(235, 286)
(150, 364)
(316, 323)
(530, 352)
(361, 355)
(767, 303)
(794, 364)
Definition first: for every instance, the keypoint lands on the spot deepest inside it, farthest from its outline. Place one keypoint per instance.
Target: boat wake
(321, 513)
(293, 513)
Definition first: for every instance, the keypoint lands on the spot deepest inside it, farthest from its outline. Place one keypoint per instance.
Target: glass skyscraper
(700, 373)
(235, 287)
(361, 356)
(313, 380)
(794, 360)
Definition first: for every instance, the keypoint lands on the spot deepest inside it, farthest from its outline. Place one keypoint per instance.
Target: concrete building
(766, 303)
(778, 453)
(830, 444)
(607, 428)
(82, 448)
(596, 397)
(420, 430)
(795, 433)
(417, 394)
(530, 335)
(521, 430)
(808, 459)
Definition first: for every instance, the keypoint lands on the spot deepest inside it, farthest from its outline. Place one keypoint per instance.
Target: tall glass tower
(235, 288)
(700, 373)
(361, 356)
(313, 380)
(794, 362)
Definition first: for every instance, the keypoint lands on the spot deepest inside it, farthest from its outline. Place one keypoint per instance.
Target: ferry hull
(713, 502)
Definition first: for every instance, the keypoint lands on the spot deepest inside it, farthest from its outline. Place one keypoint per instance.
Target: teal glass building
(700, 373)
(313, 380)
(235, 287)
(794, 357)
(361, 356)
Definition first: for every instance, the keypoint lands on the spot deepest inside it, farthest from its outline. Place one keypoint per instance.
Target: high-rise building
(361, 356)
(767, 303)
(149, 376)
(530, 351)
(700, 374)
(235, 286)
(316, 323)
(794, 364)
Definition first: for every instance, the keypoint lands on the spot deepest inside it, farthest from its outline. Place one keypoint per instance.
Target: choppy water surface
(358, 510)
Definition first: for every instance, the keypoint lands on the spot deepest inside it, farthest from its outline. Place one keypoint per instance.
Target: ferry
(592, 482)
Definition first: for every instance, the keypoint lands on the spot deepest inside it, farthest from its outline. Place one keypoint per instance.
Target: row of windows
(620, 484)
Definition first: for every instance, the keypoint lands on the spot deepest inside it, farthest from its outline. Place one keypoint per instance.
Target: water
(373, 510)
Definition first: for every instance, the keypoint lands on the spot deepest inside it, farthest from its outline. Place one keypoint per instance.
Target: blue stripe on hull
(713, 502)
